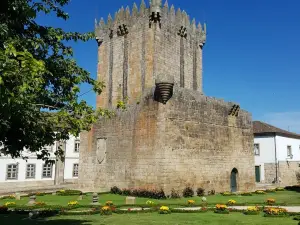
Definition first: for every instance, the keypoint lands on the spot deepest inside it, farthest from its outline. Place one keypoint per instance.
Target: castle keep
(171, 135)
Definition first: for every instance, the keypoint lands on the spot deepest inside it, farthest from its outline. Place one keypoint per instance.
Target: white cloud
(284, 120)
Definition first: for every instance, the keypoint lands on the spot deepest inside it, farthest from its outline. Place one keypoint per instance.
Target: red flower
(129, 209)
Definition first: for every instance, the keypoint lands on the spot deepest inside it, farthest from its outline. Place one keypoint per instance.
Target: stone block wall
(133, 51)
(189, 141)
(289, 172)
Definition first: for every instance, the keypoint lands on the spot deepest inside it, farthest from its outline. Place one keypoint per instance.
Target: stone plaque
(130, 200)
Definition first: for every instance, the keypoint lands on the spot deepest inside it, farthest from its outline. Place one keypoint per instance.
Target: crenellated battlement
(175, 21)
(141, 43)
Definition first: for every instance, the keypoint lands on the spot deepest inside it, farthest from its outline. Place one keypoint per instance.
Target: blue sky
(252, 55)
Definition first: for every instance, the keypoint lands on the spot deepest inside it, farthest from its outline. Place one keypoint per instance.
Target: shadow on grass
(14, 219)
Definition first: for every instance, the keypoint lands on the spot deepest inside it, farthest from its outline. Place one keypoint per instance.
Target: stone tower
(171, 135)
(138, 46)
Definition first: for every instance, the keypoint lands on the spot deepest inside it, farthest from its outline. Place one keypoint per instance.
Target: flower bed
(10, 204)
(106, 210)
(276, 212)
(222, 209)
(226, 193)
(68, 192)
(191, 202)
(246, 194)
(252, 210)
(164, 210)
(109, 203)
(40, 204)
(270, 201)
(279, 189)
(231, 202)
(271, 190)
(260, 192)
(72, 203)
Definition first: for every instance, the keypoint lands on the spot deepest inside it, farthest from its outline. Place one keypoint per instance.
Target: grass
(288, 197)
(151, 219)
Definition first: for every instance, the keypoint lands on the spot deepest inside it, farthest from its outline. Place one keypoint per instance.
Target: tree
(39, 80)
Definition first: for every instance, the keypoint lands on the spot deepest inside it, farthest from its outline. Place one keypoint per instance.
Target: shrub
(270, 201)
(126, 192)
(151, 203)
(3, 209)
(279, 189)
(200, 191)
(231, 202)
(191, 202)
(260, 192)
(188, 192)
(271, 211)
(115, 190)
(73, 203)
(252, 210)
(221, 209)
(293, 188)
(144, 193)
(271, 190)
(10, 204)
(212, 192)
(109, 203)
(164, 210)
(226, 193)
(105, 210)
(40, 204)
(246, 194)
(175, 194)
(68, 192)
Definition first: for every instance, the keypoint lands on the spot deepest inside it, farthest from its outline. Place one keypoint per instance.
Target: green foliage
(188, 192)
(174, 194)
(200, 191)
(40, 81)
(68, 192)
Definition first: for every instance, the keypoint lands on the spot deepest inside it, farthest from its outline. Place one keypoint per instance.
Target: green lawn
(289, 197)
(151, 218)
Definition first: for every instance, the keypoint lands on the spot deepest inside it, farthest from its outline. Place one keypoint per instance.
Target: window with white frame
(12, 172)
(289, 151)
(47, 171)
(256, 149)
(77, 145)
(30, 171)
(75, 170)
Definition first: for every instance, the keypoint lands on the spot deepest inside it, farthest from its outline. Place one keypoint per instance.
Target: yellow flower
(105, 208)
(270, 200)
(221, 207)
(252, 208)
(231, 202)
(164, 208)
(150, 202)
(10, 204)
(109, 203)
(191, 202)
(72, 203)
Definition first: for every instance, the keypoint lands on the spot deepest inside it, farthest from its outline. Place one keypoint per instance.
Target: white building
(33, 173)
(277, 155)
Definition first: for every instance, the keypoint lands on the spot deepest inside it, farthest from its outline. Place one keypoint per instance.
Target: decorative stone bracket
(164, 89)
